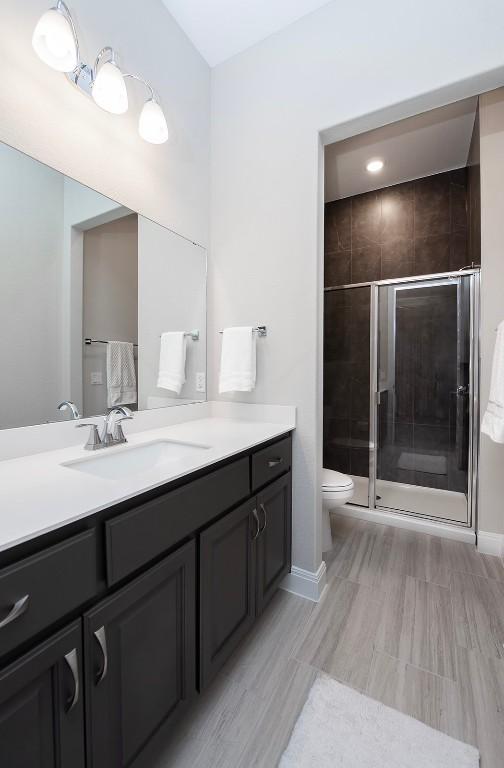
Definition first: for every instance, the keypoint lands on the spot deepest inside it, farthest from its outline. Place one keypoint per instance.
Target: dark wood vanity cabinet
(133, 613)
(140, 651)
(227, 586)
(243, 559)
(41, 705)
(274, 552)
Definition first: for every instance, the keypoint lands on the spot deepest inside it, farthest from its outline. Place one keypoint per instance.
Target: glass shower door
(422, 399)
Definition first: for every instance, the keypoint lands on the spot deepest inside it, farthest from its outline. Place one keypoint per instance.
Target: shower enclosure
(401, 393)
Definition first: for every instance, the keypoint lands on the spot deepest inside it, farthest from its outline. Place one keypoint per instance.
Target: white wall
(491, 481)
(45, 116)
(31, 259)
(383, 61)
(171, 297)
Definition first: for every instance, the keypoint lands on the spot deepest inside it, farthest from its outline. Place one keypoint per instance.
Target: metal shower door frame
(474, 394)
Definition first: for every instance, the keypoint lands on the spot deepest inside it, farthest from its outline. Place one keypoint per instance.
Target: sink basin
(125, 461)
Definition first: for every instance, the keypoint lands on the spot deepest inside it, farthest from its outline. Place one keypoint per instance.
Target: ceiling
(419, 146)
(220, 29)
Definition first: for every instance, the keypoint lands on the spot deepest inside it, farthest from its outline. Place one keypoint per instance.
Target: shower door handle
(378, 395)
(462, 390)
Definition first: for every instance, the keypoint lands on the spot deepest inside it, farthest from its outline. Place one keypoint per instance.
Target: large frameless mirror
(88, 291)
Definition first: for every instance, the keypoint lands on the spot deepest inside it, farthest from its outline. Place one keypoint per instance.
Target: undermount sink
(134, 459)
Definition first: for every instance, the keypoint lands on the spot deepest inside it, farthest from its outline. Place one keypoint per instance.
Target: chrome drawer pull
(73, 664)
(263, 510)
(101, 639)
(274, 462)
(258, 525)
(19, 607)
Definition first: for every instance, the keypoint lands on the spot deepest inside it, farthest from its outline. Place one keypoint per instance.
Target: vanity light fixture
(374, 165)
(56, 44)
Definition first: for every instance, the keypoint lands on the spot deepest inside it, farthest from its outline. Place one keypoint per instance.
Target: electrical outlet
(200, 382)
(97, 377)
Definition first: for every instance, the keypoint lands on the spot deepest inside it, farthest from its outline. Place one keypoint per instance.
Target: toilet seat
(335, 482)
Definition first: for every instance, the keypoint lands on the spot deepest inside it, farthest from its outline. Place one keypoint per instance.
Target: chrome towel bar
(261, 330)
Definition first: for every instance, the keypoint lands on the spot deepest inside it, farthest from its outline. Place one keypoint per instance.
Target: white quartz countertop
(38, 494)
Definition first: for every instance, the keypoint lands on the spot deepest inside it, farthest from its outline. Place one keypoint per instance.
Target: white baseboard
(491, 543)
(309, 584)
(411, 523)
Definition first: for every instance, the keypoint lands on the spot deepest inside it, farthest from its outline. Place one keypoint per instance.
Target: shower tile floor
(436, 503)
(412, 620)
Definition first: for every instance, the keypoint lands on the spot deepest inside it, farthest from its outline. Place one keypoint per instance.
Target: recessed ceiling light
(374, 166)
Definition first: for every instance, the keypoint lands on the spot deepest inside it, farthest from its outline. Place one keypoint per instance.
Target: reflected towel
(493, 420)
(172, 361)
(121, 378)
(238, 360)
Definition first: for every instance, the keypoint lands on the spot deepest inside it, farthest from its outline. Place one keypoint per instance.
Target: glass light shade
(109, 89)
(53, 41)
(152, 123)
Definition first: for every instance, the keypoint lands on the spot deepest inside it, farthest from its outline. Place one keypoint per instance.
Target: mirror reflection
(99, 305)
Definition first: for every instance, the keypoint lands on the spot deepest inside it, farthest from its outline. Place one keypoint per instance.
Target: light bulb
(109, 89)
(152, 123)
(54, 42)
(374, 165)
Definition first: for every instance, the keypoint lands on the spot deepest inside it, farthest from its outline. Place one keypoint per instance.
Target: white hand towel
(493, 420)
(238, 360)
(172, 361)
(121, 378)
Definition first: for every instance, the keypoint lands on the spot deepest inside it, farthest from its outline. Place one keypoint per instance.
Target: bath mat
(423, 462)
(341, 728)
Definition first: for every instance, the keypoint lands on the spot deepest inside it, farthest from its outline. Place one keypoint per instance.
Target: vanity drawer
(271, 462)
(142, 534)
(37, 591)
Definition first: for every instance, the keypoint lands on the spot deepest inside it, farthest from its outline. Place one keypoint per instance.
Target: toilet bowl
(337, 489)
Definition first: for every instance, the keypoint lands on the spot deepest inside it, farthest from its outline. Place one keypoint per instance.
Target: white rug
(340, 728)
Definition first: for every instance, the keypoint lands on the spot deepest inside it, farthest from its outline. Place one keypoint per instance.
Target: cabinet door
(274, 540)
(227, 575)
(140, 660)
(41, 711)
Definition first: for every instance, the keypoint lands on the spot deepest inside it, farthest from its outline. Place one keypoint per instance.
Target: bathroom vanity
(111, 621)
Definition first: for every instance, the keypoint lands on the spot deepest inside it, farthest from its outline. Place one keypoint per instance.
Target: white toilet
(337, 489)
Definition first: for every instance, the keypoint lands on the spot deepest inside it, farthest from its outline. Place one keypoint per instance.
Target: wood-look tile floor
(412, 620)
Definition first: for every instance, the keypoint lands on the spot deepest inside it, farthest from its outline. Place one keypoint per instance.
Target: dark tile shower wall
(416, 228)
(346, 381)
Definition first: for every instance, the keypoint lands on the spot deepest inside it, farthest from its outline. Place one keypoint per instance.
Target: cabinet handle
(73, 664)
(19, 607)
(101, 639)
(258, 525)
(263, 510)
(274, 462)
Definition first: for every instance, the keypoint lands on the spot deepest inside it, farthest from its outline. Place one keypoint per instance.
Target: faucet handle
(94, 440)
(117, 430)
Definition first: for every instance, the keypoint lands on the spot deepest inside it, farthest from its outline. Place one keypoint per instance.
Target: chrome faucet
(111, 432)
(67, 405)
